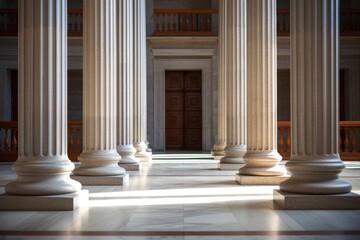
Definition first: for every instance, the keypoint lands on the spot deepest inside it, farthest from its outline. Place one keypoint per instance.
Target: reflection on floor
(182, 196)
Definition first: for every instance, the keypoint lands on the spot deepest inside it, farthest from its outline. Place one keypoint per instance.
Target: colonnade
(114, 87)
(249, 82)
(114, 101)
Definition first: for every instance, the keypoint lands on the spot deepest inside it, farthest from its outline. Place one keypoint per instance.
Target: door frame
(191, 64)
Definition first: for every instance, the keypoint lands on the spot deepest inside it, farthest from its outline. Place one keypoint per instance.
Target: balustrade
(8, 22)
(75, 24)
(183, 22)
(349, 140)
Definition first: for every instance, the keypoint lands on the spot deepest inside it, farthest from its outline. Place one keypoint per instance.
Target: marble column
(315, 164)
(125, 88)
(140, 81)
(235, 85)
(43, 167)
(262, 158)
(219, 146)
(99, 159)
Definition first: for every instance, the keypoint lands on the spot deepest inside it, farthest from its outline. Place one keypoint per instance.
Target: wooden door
(183, 110)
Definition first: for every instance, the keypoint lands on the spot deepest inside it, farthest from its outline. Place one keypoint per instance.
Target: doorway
(183, 110)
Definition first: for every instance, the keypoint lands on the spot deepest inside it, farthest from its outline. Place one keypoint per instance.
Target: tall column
(99, 159)
(43, 167)
(140, 81)
(262, 158)
(315, 163)
(219, 146)
(235, 85)
(125, 80)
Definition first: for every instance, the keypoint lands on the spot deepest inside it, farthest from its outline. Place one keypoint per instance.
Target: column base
(293, 201)
(122, 179)
(230, 166)
(64, 202)
(260, 180)
(131, 166)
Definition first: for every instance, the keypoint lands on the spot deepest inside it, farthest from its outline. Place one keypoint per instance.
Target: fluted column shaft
(125, 80)
(219, 146)
(42, 167)
(140, 80)
(315, 162)
(262, 157)
(235, 81)
(99, 156)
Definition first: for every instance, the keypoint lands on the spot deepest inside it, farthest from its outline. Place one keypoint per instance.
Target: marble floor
(182, 196)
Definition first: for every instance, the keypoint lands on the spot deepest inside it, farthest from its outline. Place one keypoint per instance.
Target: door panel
(193, 101)
(183, 110)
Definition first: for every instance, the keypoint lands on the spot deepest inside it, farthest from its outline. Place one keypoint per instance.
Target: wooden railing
(75, 22)
(349, 140)
(183, 22)
(284, 139)
(9, 141)
(283, 22)
(9, 22)
(350, 22)
(75, 140)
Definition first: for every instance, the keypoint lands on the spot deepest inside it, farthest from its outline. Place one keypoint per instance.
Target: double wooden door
(183, 110)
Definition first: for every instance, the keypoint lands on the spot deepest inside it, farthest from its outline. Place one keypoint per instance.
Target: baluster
(174, 24)
(181, 22)
(157, 25)
(169, 22)
(1, 140)
(14, 142)
(69, 23)
(6, 140)
(353, 140)
(346, 140)
(208, 25)
(201, 23)
(71, 140)
(76, 23)
(163, 23)
(281, 140)
(78, 141)
(341, 141)
(187, 23)
(278, 21)
(193, 22)
(1, 21)
(284, 26)
(288, 140)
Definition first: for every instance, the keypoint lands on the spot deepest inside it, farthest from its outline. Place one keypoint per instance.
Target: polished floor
(182, 196)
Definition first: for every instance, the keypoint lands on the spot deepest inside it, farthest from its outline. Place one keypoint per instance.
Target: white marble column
(43, 167)
(315, 163)
(125, 80)
(262, 158)
(219, 146)
(140, 81)
(99, 159)
(235, 85)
